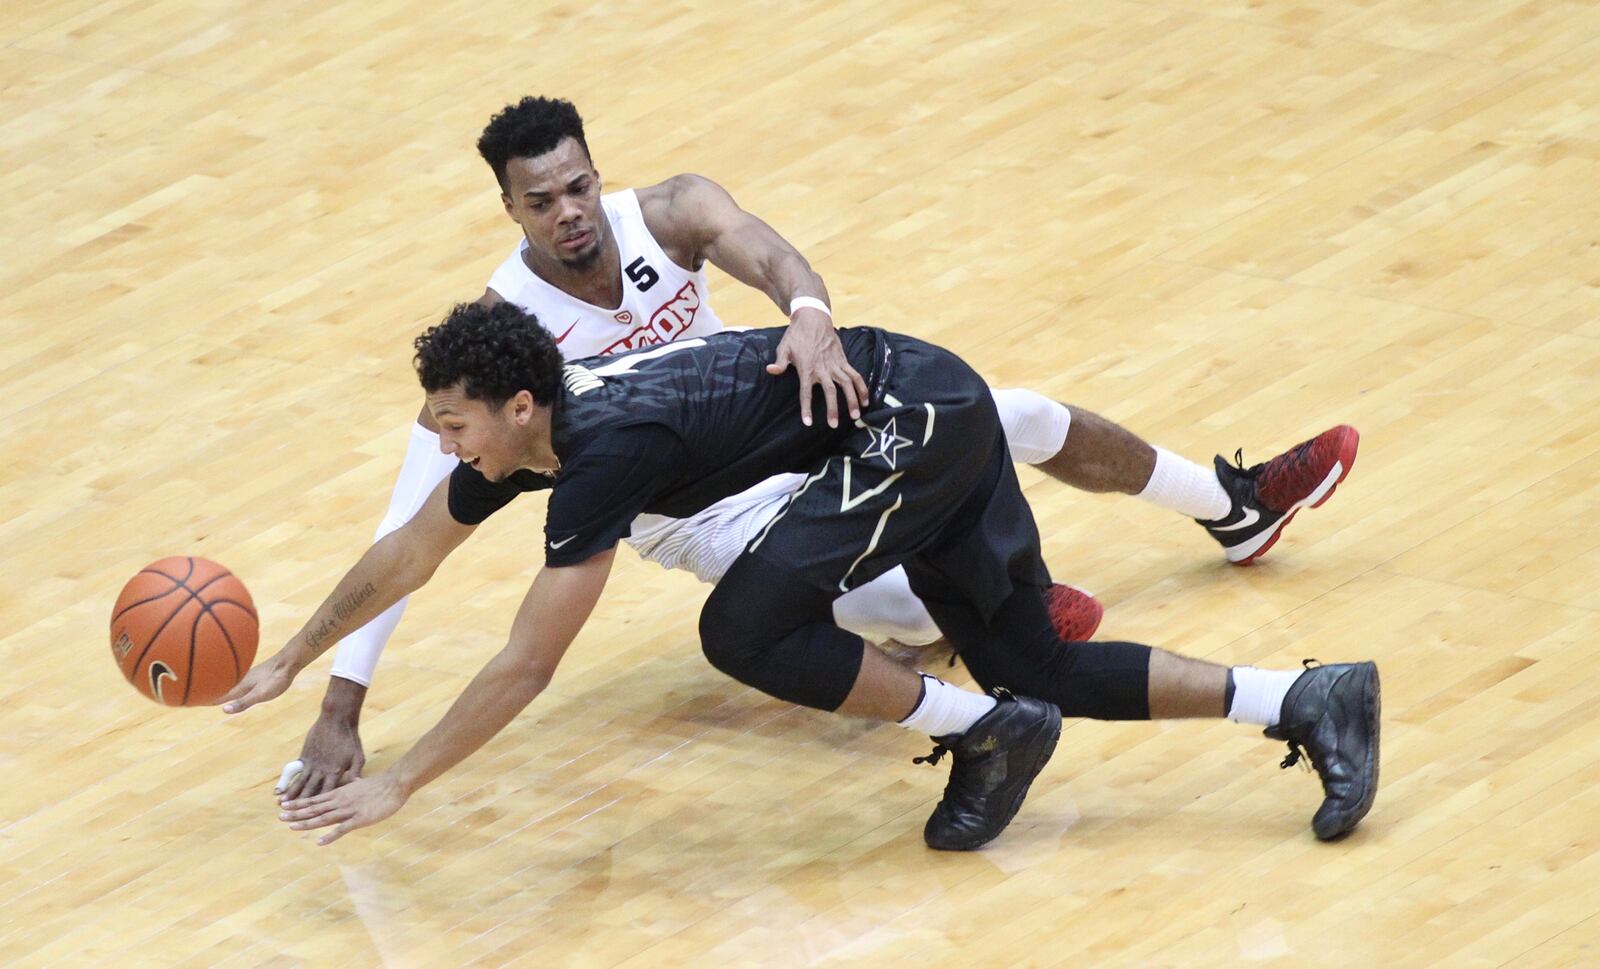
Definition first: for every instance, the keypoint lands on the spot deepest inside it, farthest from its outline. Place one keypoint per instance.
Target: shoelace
(940, 748)
(1296, 752)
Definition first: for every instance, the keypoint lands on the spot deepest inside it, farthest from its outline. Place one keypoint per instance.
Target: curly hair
(492, 352)
(528, 129)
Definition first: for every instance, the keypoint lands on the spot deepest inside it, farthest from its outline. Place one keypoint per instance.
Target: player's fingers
(806, 388)
(291, 770)
(305, 812)
(337, 833)
(290, 781)
(307, 797)
(830, 396)
(242, 702)
(322, 820)
(780, 361)
(863, 395)
(322, 782)
(297, 786)
(847, 393)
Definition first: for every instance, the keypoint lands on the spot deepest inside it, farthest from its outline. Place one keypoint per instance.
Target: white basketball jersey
(661, 301)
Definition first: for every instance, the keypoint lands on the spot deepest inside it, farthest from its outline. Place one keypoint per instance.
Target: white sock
(1185, 487)
(946, 709)
(1258, 694)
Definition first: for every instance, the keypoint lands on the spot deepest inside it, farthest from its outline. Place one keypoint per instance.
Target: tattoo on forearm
(343, 609)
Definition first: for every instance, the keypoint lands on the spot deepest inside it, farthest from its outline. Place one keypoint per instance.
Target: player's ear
(505, 200)
(522, 407)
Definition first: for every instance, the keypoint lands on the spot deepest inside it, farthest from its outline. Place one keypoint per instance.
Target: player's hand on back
(811, 345)
(265, 681)
(331, 757)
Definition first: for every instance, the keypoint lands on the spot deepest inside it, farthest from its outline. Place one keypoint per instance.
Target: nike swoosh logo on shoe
(1251, 516)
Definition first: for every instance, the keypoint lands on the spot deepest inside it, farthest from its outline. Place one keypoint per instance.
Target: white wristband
(808, 303)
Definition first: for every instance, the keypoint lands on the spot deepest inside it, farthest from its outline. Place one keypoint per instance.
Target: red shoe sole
(1074, 613)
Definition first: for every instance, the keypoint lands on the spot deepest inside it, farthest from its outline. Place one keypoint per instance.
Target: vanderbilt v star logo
(886, 443)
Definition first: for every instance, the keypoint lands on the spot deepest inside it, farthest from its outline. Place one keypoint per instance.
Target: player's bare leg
(1100, 456)
(1184, 687)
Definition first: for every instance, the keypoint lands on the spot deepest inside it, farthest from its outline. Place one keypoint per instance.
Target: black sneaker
(994, 762)
(1267, 496)
(1330, 714)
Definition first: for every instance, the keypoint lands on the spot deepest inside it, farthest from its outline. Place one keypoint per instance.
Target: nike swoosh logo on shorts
(1251, 516)
(556, 545)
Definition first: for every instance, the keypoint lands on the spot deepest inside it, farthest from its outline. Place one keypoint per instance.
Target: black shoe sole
(1373, 698)
(1039, 749)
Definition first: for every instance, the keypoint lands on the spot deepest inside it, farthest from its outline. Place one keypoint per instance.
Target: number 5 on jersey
(642, 275)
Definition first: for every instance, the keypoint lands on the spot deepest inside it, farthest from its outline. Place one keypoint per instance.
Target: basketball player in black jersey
(551, 189)
(922, 480)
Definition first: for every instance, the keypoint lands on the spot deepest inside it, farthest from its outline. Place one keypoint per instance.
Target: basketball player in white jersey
(607, 273)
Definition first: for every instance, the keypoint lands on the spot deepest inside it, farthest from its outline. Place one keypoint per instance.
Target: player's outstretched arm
(703, 219)
(553, 611)
(331, 753)
(395, 566)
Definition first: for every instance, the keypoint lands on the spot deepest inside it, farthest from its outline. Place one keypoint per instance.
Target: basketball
(184, 631)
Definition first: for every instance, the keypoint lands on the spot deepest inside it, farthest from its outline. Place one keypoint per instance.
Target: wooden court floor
(1224, 224)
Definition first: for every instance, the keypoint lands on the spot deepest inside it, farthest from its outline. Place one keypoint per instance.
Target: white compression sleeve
(1036, 426)
(886, 608)
(421, 471)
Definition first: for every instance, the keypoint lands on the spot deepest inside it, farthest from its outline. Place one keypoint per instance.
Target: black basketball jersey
(667, 430)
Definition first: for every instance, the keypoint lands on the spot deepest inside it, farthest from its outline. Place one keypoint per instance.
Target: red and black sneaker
(1266, 497)
(1074, 612)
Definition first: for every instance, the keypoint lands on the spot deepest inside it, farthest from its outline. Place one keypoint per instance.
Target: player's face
(490, 439)
(555, 197)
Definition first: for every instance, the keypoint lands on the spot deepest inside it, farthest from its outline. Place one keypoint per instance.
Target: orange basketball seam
(205, 611)
(223, 626)
(133, 676)
(134, 605)
(187, 558)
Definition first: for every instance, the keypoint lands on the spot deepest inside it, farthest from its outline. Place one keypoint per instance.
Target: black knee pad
(767, 629)
(731, 635)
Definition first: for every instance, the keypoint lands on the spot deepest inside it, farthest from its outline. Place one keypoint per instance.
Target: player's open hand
(331, 757)
(811, 345)
(265, 681)
(364, 801)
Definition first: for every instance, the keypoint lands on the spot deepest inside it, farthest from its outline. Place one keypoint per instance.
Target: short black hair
(528, 129)
(492, 352)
